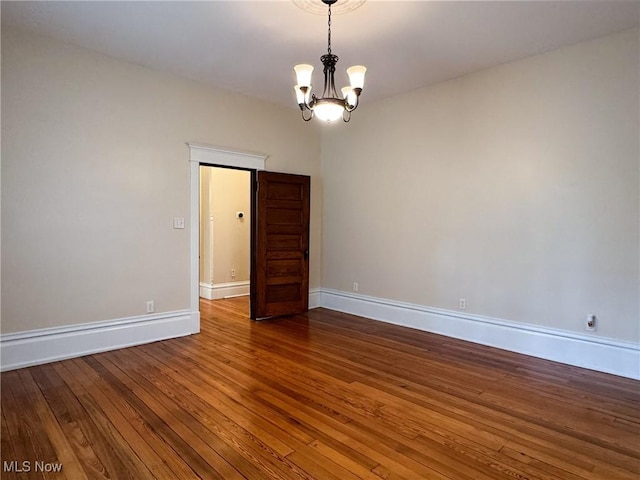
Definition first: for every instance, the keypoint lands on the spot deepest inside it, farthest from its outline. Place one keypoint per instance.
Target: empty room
(320, 239)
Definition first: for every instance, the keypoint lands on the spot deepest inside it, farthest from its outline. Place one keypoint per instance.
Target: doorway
(279, 226)
(225, 232)
(201, 154)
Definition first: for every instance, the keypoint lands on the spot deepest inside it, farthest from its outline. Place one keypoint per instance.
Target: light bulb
(327, 111)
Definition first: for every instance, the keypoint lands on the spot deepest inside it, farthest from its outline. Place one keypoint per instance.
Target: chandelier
(329, 107)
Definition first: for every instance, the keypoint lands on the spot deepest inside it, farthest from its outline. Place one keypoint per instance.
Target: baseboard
(314, 298)
(25, 349)
(215, 291)
(604, 355)
(226, 290)
(35, 347)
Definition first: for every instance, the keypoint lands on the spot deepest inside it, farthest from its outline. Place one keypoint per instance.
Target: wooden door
(281, 263)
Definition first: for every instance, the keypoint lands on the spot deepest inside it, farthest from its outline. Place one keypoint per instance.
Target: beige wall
(224, 192)
(516, 188)
(95, 168)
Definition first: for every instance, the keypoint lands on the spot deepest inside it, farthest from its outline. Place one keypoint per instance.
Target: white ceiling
(251, 46)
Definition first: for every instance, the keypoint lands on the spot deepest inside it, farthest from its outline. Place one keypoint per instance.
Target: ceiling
(251, 46)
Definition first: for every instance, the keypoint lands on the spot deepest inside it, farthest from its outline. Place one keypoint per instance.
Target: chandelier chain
(329, 34)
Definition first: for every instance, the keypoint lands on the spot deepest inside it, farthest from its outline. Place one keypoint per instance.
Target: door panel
(282, 245)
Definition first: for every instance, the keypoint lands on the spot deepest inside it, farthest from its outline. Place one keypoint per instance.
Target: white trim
(25, 349)
(214, 291)
(194, 237)
(314, 298)
(212, 253)
(35, 347)
(595, 353)
(208, 154)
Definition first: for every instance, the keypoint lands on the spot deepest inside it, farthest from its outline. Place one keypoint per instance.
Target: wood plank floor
(323, 395)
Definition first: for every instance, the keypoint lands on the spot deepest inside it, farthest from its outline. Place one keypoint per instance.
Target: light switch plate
(178, 222)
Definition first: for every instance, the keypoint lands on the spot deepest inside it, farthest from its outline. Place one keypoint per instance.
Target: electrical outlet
(462, 304)
(355, 287)
(591, 323)
(151, 306)
(233, 273)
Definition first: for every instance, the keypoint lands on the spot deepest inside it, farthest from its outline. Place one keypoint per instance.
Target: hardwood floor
(323, 395)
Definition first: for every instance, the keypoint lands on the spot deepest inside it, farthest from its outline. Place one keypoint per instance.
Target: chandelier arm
(306, 119)
(346, 116)
(348, 106)
(313, 102)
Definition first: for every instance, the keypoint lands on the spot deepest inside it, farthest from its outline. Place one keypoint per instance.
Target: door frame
(209, 155)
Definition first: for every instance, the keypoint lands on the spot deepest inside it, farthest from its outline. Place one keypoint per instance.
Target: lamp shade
(300, 96)
(356, 76)
(303, 74)
(327, 111)
(349, 95)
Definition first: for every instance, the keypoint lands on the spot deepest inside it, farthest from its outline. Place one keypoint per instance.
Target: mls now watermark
(27, 466)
